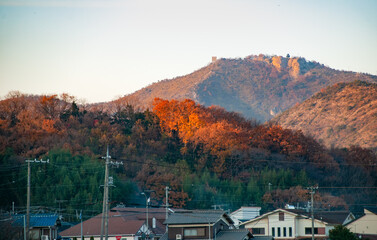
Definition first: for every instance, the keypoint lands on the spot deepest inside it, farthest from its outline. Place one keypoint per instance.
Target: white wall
(364, 225)
(261, 223)
(289, 221)
(307, 223)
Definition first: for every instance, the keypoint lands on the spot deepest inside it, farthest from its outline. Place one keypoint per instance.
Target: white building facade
(284, 224)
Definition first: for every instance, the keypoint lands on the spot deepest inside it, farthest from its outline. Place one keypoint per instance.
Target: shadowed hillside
(342, 115)
(259, 87)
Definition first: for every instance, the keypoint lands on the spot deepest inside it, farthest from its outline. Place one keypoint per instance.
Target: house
(124, 224)
(42, 226)
(212, 224)
(366, 225)
(296, 224)
(244, 214)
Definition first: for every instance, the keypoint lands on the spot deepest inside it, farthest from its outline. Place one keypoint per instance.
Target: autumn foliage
(206, 155)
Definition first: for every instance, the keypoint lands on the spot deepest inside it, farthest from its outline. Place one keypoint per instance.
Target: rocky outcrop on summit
(257, 86)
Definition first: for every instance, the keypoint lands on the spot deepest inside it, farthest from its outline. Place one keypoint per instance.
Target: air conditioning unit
(44, 237)
(178, 237)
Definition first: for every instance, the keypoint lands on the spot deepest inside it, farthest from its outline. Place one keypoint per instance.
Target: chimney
(153, 222)
(214, 59)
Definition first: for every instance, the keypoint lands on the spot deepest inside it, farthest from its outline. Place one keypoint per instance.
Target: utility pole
(167, 205)
(105, 206)
(312, 191)
(105, 196)
(167, 202)
(81, 224)
(28, 192)
(147, 200)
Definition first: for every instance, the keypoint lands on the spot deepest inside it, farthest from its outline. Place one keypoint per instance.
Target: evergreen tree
(340, 232)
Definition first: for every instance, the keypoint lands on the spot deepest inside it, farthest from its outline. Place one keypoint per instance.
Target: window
(259, 231)
(290, 231)
(279, 232)
(309, 231)
(281, 216)
(193, 232)
(284, 232)
(273, 232)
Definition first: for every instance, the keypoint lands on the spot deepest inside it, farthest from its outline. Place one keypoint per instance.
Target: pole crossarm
(27, 232)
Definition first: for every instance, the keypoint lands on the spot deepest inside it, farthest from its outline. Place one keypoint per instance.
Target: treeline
(207, 156)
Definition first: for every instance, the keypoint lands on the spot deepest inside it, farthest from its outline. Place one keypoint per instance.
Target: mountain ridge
(341, 115)
(257, 86)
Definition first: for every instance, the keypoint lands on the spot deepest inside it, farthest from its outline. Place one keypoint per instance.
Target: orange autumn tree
(181, 117)
(216, 131)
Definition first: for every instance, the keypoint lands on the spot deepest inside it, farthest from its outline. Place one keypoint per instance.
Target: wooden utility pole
(105, 206)
(104, 223)
(167, 202)
(28, 192)
(312, 191)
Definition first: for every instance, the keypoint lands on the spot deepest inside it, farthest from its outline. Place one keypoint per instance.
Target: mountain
(259, 87)
(341, 115)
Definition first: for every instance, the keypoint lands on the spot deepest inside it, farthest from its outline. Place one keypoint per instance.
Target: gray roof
(197, 217)
(235, 234)
(331, 217)
(263, 238)
(164, 237)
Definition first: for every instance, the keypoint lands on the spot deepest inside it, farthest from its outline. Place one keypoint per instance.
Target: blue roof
(37, 220)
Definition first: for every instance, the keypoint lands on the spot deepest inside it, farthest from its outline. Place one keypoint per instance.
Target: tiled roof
(235, 234)
(197, 217)
(140, 214)
(122, 221)
(262, 238)
(332, 217)
(117, 226)
(37, 220)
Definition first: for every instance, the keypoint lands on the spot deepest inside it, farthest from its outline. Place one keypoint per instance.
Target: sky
(100, 50)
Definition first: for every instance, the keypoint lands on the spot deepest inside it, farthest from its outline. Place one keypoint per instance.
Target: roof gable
(328, 217)
(371, 209)
(268, 214)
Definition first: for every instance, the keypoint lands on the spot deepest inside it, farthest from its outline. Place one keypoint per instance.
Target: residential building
(244, 214)
(203, 225)
(42, 226)
(366, 225)
(296, 224)
(124, 224)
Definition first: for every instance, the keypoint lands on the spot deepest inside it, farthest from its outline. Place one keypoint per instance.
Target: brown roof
(140, 214)
(117, 226)
(122, 221)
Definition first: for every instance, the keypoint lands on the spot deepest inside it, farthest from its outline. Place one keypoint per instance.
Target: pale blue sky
(100, 50)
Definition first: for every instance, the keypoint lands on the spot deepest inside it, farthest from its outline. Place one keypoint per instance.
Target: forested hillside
(258, 87)
(206, 155)
(341, 115)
